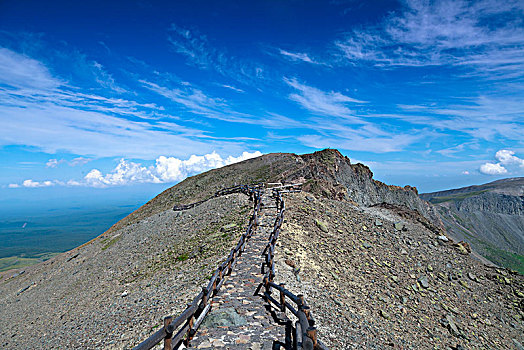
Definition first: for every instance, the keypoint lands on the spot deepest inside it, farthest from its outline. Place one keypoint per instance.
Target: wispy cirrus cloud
(298, 56)
(330, 103)
(197, 102)
(202, 54)
(483, 117)
(20, 71)
(43, 111)
(360, 140)
(230, 87)
(483, 34)
(53, 162)
(106, 80)
(336, 124)
(196, 48)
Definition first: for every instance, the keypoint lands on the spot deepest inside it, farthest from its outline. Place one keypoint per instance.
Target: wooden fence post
(297, 341)
(282, 299)
(268, 289)
(190, 331)
(205, 297)
(312, 334)
(301, 299)
(229, 265)
(167, 339)
(307, 311)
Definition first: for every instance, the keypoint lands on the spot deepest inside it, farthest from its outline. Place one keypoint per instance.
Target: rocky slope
(113, 291)
(377, 278)
(367, 255)
(490, 217)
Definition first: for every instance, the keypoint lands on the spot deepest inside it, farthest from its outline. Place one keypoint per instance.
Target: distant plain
(37, 235)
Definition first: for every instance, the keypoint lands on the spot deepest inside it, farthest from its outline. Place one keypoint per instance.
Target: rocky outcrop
(495, 203)
(329, 172)
(378, 280)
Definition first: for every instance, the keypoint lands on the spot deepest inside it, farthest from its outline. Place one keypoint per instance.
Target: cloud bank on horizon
(426, 93)
(165, 170)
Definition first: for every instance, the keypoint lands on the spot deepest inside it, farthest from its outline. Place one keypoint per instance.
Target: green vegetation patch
(507, 259)
(455, 197)
(182, 257)
(17, 262)
(109, 242)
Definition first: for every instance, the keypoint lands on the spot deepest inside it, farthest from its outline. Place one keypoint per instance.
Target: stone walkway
(239, 319)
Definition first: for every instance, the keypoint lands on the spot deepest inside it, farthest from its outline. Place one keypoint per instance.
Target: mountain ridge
(326, 172)
(489, 216)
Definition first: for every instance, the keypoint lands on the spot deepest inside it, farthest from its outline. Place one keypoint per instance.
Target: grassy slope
(16, 262)
(458, 224)
(455, 197)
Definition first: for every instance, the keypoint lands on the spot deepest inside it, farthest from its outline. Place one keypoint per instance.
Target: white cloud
(344, 128)
(170, 169)
(32, 184)
(104, 79)
(124, 173)
(492, 169)
(52, 163)
(465, 172)
(506, 159)
(486, 35)
(320, 102)
(297, 56)
(39, 111)
(57, 128)
(230, 87)
(197, 102)
(20, 71)
(244, 156)
(79, 161)
(200, 52)
(165, 170)
(483, 117)
(358, 140)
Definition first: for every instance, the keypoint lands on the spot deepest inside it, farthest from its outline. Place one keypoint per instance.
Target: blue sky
(137, 95)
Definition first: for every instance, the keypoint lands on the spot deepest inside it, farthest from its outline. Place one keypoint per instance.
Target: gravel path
(239, 318)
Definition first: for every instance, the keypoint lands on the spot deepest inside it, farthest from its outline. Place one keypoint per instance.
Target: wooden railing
(246, 189)
(304, 331)
(180, 330)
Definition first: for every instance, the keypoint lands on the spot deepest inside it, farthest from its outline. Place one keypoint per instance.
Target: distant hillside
(490, 217)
